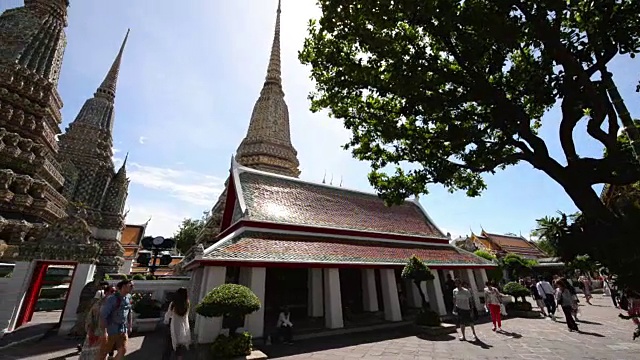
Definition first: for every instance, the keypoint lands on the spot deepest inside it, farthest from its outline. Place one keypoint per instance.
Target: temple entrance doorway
(47, 294)
(351, 293)
(285, 287)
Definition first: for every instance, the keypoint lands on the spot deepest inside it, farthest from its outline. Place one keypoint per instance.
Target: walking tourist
(632, 300)
(177, 318)
(493, 299)
(574, 297)
(536, 296)
(613, 290)
(462, 299)
(95, 333)
(546, 292)
(285, 326)
(449, 285)
(116, 319)
(586, 288)
(565, 301)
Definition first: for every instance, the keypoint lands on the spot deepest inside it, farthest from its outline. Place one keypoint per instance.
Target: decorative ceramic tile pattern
(278, 199)
(274, 247)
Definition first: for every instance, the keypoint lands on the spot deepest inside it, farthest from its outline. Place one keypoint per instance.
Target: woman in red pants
(493, 300)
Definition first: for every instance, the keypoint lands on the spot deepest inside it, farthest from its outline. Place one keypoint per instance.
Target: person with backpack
(92, 345)
(116, 320)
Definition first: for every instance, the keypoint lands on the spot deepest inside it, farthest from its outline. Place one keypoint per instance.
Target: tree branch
(515, 157)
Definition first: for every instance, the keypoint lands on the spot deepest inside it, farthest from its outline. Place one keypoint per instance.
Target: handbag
(503, 310)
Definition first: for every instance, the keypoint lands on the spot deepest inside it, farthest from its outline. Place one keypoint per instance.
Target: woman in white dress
(177, 317)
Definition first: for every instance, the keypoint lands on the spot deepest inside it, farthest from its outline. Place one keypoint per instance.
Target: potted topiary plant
(147, 311)
(519, 309)
(235, 302)
(427, 319)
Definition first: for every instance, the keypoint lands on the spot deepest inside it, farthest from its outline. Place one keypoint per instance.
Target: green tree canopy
(517, 266)
(457, 89)
(187, 233)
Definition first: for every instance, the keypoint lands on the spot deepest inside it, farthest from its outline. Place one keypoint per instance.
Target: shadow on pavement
(426, 337)
(151, 347)
(481, 344)
(514, 335)
(590, 333)
(588, 322)
(334, 342)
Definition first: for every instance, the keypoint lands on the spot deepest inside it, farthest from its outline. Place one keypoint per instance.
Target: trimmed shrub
(516, 290)
(427, 317)
(225, 347)
(53, 293)
(146, 307)
(518, 306)
(138, 277)
(49, 304)
(230, 300)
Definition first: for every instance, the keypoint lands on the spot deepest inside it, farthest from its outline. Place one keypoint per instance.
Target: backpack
(112, 317)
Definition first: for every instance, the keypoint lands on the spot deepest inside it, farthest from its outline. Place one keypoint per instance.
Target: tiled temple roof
(274, 198)
(270, 247)
(514, 244)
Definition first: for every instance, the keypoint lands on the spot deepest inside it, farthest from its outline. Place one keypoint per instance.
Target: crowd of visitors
(549, 294)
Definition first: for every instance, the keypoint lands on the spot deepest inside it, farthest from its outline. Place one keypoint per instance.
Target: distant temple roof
(508, 243)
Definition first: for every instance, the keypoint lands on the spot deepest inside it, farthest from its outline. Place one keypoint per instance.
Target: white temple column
(452, 273)
(369, 292)
(413, 294)
(82, 275)
(332, 299)
(315, 301)
(208, 329)
(436, 298)
(471, 279)
(255, 279)
(483, 276)
(390, 295)
(13, 294)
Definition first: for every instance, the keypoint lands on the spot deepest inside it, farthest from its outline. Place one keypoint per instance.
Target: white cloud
(142, 140)
(185, 185)
(164, 220)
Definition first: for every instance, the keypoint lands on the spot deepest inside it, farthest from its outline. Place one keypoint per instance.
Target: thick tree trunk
(588, 201)
(422, 297)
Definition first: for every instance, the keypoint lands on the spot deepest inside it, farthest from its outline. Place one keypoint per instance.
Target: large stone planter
(529, 314)
(442, 329)
(255, 355)
(146, 325)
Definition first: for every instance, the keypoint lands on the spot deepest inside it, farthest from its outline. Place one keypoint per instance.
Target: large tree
(187, 233)
(458, 89)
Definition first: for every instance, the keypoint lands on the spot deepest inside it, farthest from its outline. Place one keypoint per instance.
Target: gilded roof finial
(274, 71)
(108, 86)
(340, 181)
(324, 178)
(331, 181)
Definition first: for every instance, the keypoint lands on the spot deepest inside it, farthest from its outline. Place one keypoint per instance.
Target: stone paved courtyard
(603, 336)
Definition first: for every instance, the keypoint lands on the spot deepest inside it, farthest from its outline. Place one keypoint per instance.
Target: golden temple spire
(267, 145)
(274, 70)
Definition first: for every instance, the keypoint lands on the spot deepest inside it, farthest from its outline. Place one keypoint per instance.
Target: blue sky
(190, 75)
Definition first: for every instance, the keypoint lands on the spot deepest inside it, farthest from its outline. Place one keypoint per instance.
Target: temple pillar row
(315, 298)
(390, 295)
(369, 292)
(332, 299)
(434, 292)
(208, 329)
(255, 279)
(473, 287)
